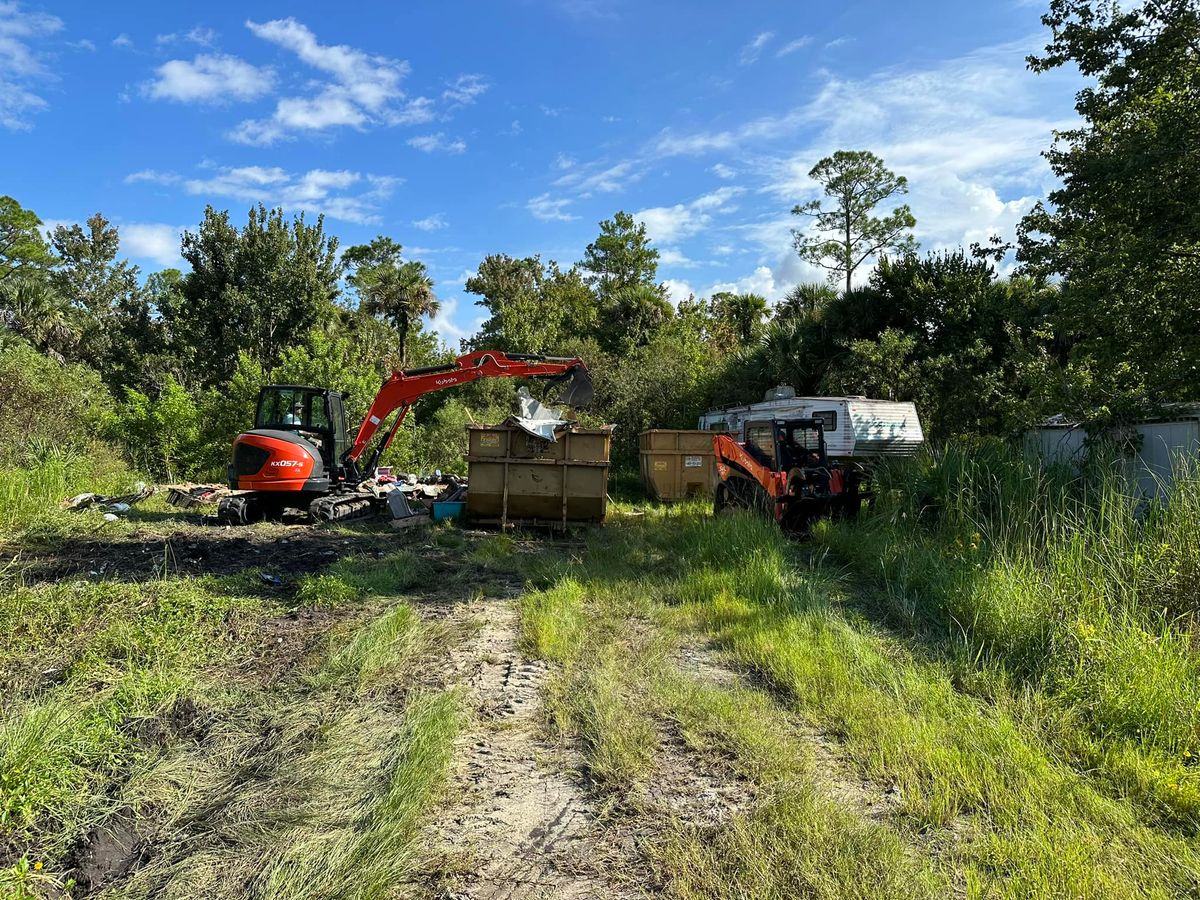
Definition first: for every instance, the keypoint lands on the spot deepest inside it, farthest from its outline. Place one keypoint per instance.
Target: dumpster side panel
(537, 482)
(677, 464)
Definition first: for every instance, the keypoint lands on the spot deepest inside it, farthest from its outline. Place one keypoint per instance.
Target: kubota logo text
(446, 381)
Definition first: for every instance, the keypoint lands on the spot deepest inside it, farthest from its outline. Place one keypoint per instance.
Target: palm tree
(805, 300)
(741, 313)
(400, 292)
(32, 308)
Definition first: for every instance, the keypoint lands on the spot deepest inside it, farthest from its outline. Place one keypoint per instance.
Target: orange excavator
(299, 454)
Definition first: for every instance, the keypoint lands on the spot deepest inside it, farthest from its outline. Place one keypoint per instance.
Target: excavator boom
(402, 389)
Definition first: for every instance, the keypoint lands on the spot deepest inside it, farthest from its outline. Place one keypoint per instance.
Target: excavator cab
(316, 414)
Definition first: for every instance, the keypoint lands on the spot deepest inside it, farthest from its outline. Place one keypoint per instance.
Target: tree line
(1099, 319)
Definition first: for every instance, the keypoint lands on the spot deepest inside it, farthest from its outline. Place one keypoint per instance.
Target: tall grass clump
(1072, 581)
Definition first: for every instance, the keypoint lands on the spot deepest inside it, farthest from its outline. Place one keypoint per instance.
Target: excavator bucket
(578, 389)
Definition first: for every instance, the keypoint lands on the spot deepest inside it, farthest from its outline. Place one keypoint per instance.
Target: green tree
(620, 257)
(805, 301)
(1123, 230)
(90, 276)
(34, 309)
(622, 269)
(532, 309)
(740, 315)
(259, 290)
(848, 233)
(400, 291)
(630, 316)
(22, 247)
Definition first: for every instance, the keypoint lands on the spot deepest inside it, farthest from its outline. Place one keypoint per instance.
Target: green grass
(1073, 587)
(975, 754)
(346, 755)
(612, 626)
(30, 497)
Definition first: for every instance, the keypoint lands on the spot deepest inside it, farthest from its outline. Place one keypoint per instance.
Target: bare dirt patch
(189, 550)
(517, 824)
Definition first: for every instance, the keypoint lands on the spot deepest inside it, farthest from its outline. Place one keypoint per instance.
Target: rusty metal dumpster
(518, 479)
(677, 463)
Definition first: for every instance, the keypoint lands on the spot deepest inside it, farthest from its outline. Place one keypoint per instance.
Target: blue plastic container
(448, 509)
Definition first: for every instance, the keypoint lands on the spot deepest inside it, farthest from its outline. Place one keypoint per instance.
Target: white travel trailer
(855, 427)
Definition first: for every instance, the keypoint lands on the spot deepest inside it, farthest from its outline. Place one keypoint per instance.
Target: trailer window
(828, 419)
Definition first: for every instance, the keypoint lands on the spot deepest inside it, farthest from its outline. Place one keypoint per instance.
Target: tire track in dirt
(518, 825)
(832, 773)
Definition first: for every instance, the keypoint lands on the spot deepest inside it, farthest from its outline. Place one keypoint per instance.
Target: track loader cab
(782, 467)
(295, 451)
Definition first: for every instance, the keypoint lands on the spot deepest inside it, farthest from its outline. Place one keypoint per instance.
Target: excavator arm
(402, 389)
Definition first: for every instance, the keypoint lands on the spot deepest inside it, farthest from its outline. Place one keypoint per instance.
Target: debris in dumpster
(119, 504)
(536, 418)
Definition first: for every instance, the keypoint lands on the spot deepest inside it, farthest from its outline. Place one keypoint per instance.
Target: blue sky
(462, 129)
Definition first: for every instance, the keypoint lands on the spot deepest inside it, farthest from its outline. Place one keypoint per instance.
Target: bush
(47, 408)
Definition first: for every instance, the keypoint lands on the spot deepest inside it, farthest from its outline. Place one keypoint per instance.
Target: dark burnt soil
(285, 550)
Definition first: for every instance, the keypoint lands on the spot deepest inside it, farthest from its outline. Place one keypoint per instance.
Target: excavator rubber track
(343, 507)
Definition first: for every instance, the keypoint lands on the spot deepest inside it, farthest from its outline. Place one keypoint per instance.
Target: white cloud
(551, 111)
(349, 196)
(82, 44)
(436, 222)
(465, 89)
(723, 171)
(677, 291)
(22, 74)
(203, 37)
(792, 46)
(156, 242)
(444, 322)
(668, 224)
(967, 134)
(209, 78)
(837, 42)
(432, 143)
(752, 50)
(761, 281)
(514, 129)
(123, 41)
(550, 209)
(361, 89)
(601, 177)
(153, 176)
(670, 256)
(562, 162)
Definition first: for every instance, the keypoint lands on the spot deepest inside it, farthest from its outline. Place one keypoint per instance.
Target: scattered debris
(272, 580)
(118, 504)
(417, 520)
(190, 496)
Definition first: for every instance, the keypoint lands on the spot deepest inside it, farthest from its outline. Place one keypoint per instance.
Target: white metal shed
(1166, 447)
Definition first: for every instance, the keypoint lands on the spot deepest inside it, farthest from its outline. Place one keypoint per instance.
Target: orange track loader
(781, 469)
